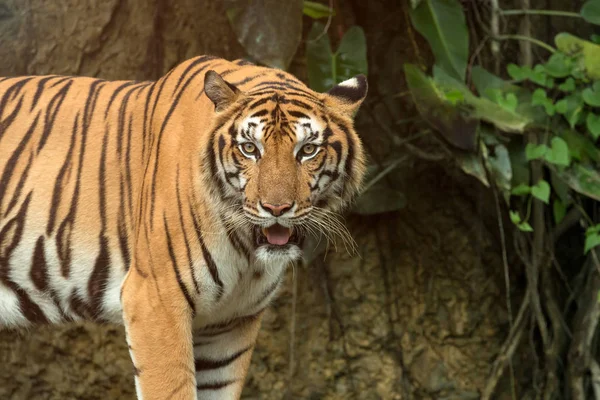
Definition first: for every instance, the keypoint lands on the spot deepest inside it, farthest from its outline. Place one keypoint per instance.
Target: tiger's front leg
(222, 355)
(158, 325)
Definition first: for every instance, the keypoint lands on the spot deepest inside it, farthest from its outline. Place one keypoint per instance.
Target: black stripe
(12, 161)
(214, 385)
(268, 291)
(7, 122)
(123, 242)
(128, 180)
(185, 238)
(182, 286)
(58, 184)
(28, 307)
(17, 191)
(210, 263)
(66, 227)
(116, 93)
(350, 156)
(258, 103)
(204, 364)
(259, 113)
(63, 79)
(99, 279)
(241, 62)
(247, 80)
(39, 268)
(297, 114)
(301, 104)
(197, 61)
(212, 164)
(159, 139)
(38, 92)
(52, 111)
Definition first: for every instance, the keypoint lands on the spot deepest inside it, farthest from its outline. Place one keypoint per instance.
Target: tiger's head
(285, 159)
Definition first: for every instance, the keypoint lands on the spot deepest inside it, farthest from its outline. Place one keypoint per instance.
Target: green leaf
(442, 23)
(568, 85)
(540, 98)
(559, 152)
(482, 108)
(559, 210)
(275, 39)
(595, 38)
(540, 76)
(560, 188)
(591, 96)
(525, 227)
(588, 51)
(581, 147)
(508, 102)
(499, 166)
(449, 120)
(583, 179)
(574, 108)
(558, 65)
(521, 190)
(326, 68)
(317, 10)
(514, 217)
(471, 164)
(454, 96)
(561, 106)
(518, 73)
(593, 125)
(533, 152)
(591, 241)
(520, 166)
(541, 191)
(591, 12)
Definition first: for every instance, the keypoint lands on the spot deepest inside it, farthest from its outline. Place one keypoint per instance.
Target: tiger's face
(286, 160)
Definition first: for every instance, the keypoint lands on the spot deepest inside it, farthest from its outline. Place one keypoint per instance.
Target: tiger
(173, 207)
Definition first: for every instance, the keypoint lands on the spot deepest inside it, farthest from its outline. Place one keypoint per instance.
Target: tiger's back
(70, 160)
(173, 206)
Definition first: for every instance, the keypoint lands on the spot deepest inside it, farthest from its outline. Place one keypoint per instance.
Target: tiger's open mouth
(276, 236)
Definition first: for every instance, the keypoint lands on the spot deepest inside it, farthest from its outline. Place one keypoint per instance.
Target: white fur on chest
(247, 287)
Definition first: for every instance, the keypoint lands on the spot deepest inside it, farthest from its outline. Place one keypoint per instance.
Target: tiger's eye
(249, 148)
(309, 149)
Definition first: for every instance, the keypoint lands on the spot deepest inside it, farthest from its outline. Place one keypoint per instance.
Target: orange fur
(149, 185)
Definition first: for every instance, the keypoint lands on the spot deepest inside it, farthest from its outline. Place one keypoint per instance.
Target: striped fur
(141, 203)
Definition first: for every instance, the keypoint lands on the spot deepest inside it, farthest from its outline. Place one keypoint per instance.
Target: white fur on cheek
(255, 131)
(304, 128)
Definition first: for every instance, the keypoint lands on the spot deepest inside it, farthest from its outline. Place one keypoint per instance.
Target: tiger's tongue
(277, 234)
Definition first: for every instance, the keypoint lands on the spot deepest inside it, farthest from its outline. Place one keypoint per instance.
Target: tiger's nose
(277, 209)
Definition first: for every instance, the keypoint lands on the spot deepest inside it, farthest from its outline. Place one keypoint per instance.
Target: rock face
(417, 314)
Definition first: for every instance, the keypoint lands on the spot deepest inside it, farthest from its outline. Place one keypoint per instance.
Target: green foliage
(592, 237)
(317, 10)
(556, 101)
(591, 12)
(327, 68)
(442, 23)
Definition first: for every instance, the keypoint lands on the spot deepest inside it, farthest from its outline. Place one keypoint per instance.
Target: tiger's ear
(219, 91)
(348, 95)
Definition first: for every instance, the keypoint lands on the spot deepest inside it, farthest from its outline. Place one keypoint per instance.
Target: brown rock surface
(418, 315)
